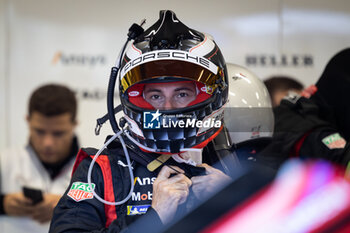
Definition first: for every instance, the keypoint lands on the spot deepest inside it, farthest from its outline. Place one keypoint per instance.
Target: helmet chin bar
(126, 132)
(171, 136)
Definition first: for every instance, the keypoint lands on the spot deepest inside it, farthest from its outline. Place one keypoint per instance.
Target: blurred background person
(279, 86)
(44, 166)
(317, 127)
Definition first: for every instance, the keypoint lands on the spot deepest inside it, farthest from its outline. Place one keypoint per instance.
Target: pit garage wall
(3, 84)
(76, 43)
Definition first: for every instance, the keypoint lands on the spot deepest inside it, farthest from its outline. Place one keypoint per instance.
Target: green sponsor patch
(81, 191)
(334, 141)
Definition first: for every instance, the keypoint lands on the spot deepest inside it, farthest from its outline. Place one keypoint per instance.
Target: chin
(49, 158)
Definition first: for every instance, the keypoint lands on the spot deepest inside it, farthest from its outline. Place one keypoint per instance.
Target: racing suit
(79, 211)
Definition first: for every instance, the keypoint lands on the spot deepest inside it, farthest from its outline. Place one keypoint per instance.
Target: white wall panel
(318, 28)
(3, 77)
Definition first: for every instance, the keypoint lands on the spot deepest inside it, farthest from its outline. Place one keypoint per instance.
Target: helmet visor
(197, 69)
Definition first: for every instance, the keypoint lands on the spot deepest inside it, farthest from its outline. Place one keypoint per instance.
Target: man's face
(165, 96)
(51, 137)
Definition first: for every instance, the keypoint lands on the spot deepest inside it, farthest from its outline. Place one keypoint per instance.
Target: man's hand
(16, 204)
(168, 193)
(42, 212)
(209, 183)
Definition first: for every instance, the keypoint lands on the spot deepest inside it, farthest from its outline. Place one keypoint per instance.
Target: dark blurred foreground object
(304, 197)
(308, 196)
(333, 93)
(317, 127)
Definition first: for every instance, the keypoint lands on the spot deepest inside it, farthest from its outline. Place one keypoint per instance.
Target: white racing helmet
(248, 114)
(168, 52)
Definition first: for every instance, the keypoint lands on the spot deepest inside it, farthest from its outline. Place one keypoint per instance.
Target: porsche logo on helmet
(170, 54)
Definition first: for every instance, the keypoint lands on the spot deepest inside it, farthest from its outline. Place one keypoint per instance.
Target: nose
(168, 104)
(48, 140)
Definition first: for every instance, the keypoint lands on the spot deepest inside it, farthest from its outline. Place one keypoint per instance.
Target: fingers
(182, 196)
(179, 181)
(209, 169)
(199, 190)
(41, 217)
(199, 179)
(42, 212)
(22, 200)
(19, 199)
(169, 192)
(17, 205)
(166, 171)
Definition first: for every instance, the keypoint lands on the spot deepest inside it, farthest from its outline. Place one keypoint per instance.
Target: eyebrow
(153, 90)
(184, 88)
(177, 89)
